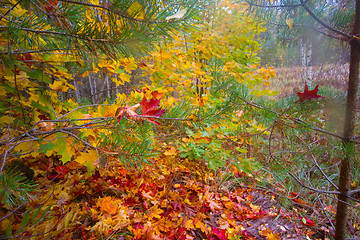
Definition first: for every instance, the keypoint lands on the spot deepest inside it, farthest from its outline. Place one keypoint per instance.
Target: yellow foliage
(107, 205)
(58, 86)
(22, 80)
(136, 10)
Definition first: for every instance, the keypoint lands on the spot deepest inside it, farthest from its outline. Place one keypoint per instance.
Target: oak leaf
(309, 94)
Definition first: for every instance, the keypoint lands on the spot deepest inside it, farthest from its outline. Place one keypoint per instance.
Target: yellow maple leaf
(171, 152)
(189, 224)
(269, 235)
(58, 86)
(91, 156)
(107, 205)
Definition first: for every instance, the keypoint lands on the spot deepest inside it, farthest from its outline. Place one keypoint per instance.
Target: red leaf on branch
(309, 94)
(151, 107)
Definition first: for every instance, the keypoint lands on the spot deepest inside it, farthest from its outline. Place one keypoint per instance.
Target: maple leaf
(150, 108)
(269, 235)
(220, 233)
(308, 94)
(130, 111)
(107, 205)
(60, 172)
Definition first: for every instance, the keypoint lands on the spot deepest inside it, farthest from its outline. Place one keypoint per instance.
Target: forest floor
(171, 198)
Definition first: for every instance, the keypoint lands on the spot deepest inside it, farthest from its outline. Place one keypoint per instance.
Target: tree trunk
(116, 86)
(306, 53)
(92, 89)
(107, 84)
(77, 92)
(308, 62)
(349, 125)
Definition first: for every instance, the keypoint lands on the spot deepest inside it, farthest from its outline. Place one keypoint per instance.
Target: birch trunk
(308, 62)
(306, 53)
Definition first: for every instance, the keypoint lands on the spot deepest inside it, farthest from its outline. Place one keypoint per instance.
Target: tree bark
(107, 85)
(349, 125)
(77, 91)
(306, 52)
(308, 61)
(92, 89)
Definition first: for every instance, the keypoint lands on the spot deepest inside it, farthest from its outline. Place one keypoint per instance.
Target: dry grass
(288, 80)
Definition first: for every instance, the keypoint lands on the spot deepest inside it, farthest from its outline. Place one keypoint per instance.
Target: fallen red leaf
(309, 94)
(307, 222)
(220, 233)
(60, 172)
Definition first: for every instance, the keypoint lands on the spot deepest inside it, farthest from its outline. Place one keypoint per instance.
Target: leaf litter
(170, 198)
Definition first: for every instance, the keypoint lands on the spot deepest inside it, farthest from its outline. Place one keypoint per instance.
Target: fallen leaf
(269, 235)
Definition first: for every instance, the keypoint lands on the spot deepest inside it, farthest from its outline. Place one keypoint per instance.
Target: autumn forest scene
(209, 119)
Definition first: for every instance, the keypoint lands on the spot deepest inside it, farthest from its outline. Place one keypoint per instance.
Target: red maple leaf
(59, 172)
(307, 95)
(151, 108)
(220, 233)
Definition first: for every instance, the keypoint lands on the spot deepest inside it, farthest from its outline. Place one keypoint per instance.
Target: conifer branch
(274, 5)
(88, 39)
(313, 15)
(121, 14)
(10, 9)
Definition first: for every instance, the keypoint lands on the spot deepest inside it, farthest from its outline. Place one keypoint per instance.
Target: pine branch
(312, 14)
(273, 5)
(10, 9)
